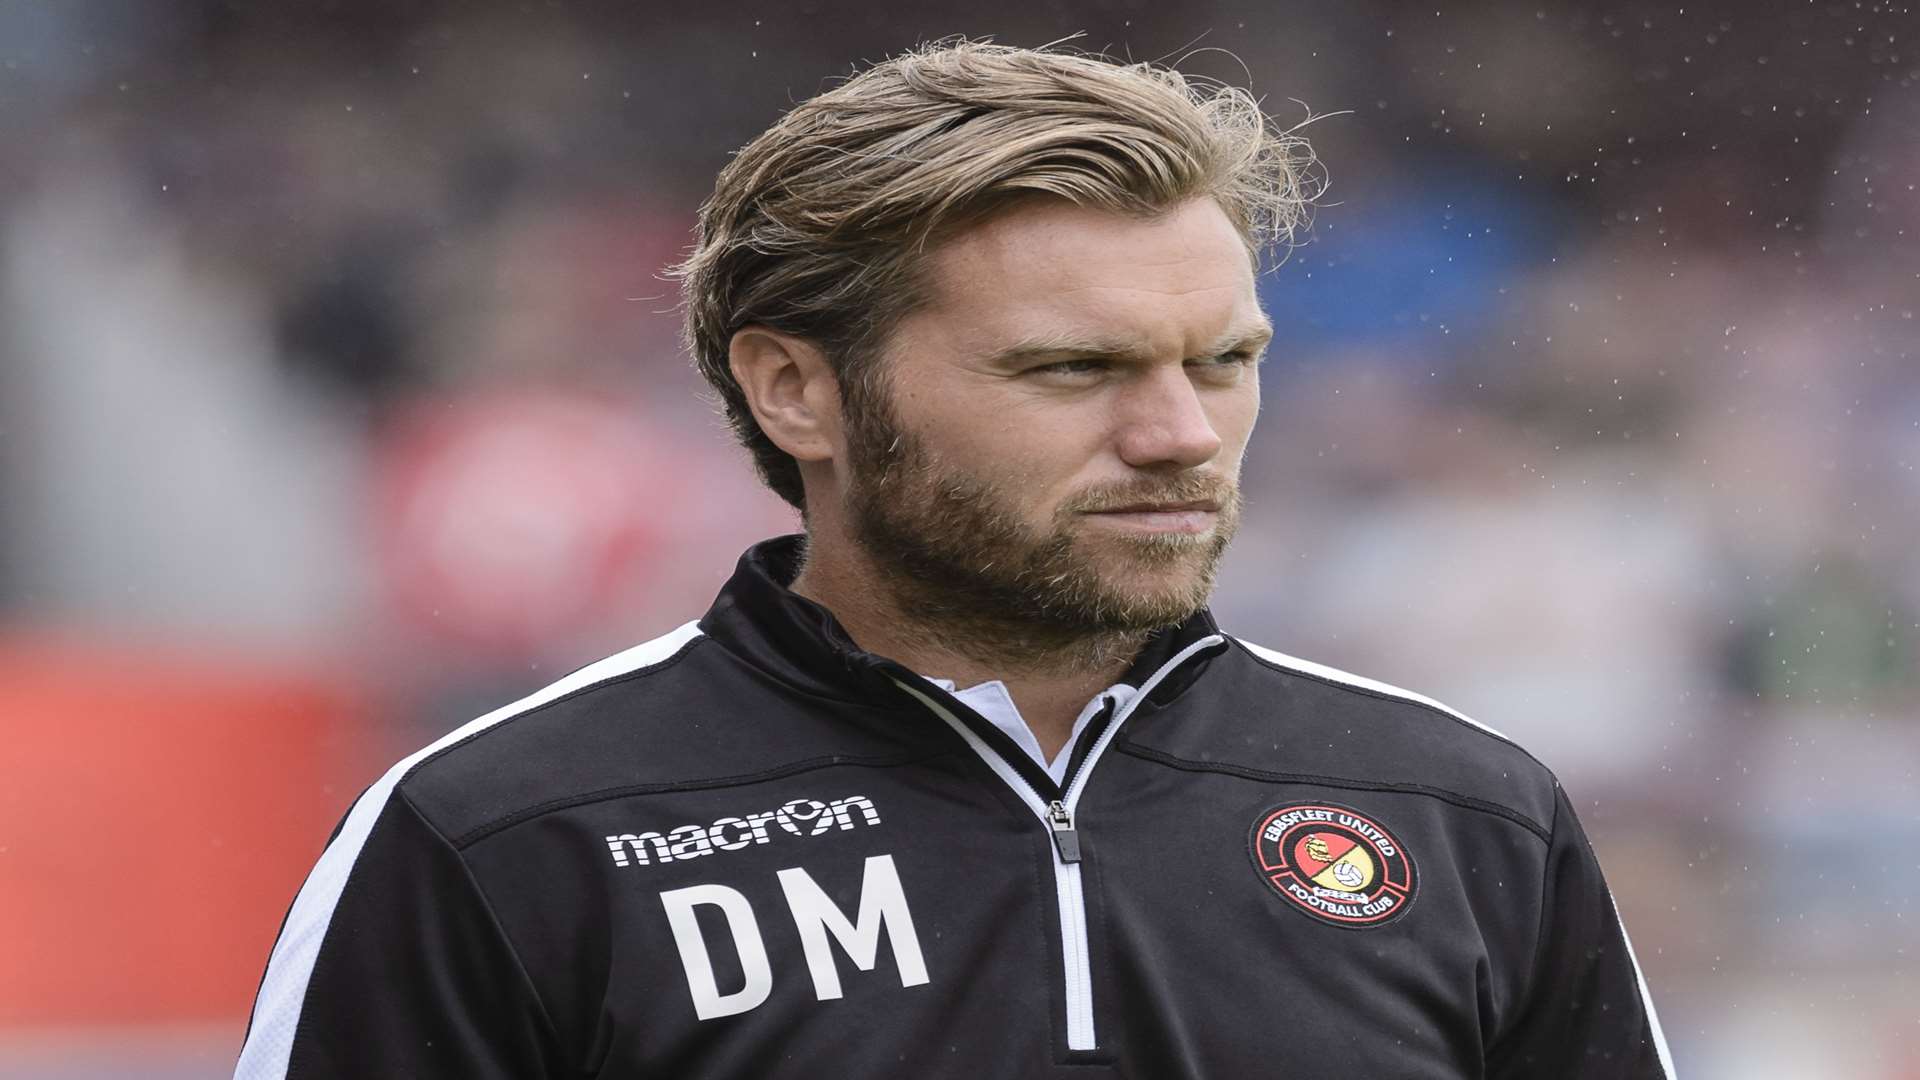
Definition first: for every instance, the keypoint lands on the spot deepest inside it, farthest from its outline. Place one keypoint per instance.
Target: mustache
(1223, 491)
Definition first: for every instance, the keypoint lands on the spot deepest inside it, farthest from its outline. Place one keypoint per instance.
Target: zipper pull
(1060, 819)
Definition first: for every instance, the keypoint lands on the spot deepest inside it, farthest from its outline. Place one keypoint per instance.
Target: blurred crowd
(337, 346)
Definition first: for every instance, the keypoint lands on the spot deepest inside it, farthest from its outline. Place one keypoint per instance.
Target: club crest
(1333, 863)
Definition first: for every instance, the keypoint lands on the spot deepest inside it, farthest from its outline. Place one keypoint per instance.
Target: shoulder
(547, 744)
(1394, 700)
(673, 714)
(1275, 715)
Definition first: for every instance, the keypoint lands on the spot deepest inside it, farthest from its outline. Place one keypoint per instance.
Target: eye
(1086, 365)
(1227, 361)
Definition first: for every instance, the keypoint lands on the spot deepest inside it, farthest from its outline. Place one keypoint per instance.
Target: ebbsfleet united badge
(1334, 863)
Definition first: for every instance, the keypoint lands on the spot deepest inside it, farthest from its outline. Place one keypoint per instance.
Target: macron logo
(801, 817)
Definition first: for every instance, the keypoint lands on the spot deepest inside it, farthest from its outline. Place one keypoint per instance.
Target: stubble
(970, 576)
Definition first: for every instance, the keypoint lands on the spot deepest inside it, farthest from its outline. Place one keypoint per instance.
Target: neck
(1050, 671)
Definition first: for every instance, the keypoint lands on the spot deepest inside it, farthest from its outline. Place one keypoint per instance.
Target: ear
(791, 389)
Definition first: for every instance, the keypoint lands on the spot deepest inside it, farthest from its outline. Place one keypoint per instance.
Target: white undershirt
(991, 700)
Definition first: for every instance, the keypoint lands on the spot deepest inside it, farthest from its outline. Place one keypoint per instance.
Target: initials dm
(883, 906)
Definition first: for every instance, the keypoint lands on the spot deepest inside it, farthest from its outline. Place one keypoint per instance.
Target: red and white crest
(1333, 863)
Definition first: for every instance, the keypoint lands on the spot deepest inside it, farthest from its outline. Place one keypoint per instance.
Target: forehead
(1166, 283)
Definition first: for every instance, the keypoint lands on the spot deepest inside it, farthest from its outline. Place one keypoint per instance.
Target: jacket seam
(1540, 931)
(493, 918)
(1465, 802)
(481, 832)
(1380, 695)
(1523, 1001)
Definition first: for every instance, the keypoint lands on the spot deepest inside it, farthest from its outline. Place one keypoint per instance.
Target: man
(966, 782)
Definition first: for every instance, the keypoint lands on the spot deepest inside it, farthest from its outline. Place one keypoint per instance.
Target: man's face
(1055, 439)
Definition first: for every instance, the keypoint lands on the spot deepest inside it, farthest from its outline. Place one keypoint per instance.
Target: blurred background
(341, 400)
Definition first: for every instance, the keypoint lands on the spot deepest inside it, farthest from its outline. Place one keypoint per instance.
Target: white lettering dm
(708, 1001)
(883, 905)
(800, 817)
(882, 909)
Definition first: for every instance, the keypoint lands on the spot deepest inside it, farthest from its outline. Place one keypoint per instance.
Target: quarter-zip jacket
(749, 849)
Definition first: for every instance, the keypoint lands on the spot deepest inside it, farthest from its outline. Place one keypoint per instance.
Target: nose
(1164, 422)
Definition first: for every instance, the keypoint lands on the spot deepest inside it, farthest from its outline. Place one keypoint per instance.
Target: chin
(1155, 552)
(1162, 594)
(1151, 580)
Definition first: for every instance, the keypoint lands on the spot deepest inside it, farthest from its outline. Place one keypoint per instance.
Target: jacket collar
(769, 626)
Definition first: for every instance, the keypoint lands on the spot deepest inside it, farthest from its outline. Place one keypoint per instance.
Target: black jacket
(749, 849)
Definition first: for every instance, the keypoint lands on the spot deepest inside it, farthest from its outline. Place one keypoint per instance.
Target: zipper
(1058, 815)
(1065, 841)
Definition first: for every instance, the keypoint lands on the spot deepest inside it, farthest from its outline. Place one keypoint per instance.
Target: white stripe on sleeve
(276, 1011)
(1336, 675)
(1646, 996)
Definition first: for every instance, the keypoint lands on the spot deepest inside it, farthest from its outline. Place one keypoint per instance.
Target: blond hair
(818, 227)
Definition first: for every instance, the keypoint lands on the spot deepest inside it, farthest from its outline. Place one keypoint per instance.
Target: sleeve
(1588, 1014)
(392, 964)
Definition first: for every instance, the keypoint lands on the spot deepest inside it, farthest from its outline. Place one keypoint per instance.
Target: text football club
(1333, 863)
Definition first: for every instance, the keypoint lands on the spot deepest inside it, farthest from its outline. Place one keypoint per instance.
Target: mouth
(1205, 506)
(1191, 518)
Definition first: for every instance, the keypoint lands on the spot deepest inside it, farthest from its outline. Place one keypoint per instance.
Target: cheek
(1235, 416)
(1037, 447)
(1027, 463)
(1035, 451)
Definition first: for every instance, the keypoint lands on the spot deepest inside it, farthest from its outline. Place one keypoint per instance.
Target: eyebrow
(1250, 338)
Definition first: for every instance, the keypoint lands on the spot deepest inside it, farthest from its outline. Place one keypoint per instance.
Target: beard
(977, 578)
